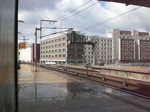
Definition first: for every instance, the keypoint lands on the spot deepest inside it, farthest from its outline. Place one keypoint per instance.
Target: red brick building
(126, 49)
(144, 50)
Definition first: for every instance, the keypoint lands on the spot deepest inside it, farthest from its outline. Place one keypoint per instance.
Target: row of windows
(75, 55)
(55, 40)
(102, 40)
(104, 49)
(105, 44)
(61, 55)
(99, 49)
(53, 56)
(125, 37)
(56, 50)
(127, 57)
(100, 57)
(74, 50)
(106, 40)
(53, 46)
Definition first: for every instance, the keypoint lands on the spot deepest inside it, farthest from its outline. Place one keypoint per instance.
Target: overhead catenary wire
(79, 11)
(74, 10)
(110, 19)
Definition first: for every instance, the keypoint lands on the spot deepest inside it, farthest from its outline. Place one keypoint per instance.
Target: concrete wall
(8, 46)
(125, 74)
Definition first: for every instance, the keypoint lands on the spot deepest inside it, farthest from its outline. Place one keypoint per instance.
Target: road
(51, 91)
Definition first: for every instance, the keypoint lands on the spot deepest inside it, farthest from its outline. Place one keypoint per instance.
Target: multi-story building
(144, 50)
(129, 46)
(59, 48)
(27, 54)
(102, 51)
(126, 49)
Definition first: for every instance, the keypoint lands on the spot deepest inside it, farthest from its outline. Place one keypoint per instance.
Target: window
(71, 50)
(56, 40)
(63, 44)
(59, 39)
(64, 50)
(64, 55)
(59, 50)
(80, 50)
(79, 55)
(64, 38)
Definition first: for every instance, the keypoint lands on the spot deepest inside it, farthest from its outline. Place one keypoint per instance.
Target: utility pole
(35, 49)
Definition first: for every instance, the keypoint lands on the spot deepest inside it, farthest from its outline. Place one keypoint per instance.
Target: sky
(98, 14)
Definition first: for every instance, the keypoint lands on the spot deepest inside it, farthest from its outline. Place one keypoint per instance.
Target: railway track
(135, 87)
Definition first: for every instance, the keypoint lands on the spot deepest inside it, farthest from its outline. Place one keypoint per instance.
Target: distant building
(58, 48)
(129, 46)
(101, 53)
(27, 54)
(144, 50)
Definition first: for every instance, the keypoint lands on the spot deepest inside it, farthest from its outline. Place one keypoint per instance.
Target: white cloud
(34, 10)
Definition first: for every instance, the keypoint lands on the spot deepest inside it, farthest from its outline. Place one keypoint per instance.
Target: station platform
(142, 69)
(52, 91)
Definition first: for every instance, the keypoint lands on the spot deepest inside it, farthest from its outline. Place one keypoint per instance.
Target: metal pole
(41, 29)
(35, 51)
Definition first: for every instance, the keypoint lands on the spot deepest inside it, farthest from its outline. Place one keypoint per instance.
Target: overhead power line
(74, 10)
(79, 11)
(110, 19)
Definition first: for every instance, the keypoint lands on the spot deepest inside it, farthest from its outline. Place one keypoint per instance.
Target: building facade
(58, 48)
(27, 54)
(129, 46)
(101, 53)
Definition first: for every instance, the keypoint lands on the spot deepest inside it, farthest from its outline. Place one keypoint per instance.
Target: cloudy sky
(92, 14)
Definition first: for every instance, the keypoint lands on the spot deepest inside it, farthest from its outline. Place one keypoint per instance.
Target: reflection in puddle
(76, 90)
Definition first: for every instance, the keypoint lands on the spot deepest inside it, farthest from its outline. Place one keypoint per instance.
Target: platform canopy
(145, 3)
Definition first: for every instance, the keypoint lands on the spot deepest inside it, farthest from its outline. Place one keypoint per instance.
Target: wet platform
(51, 91)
